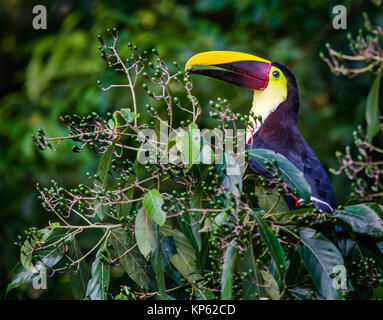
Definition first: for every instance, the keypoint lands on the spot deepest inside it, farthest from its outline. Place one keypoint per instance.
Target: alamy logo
(39, 281)
(339, 280)
(184, 146)
(40, 19)
(340, 19)
(39, 278)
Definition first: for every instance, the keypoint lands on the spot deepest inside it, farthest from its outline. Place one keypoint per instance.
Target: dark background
(48, 73)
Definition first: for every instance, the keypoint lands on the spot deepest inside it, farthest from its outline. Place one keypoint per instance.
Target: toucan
(276, 101)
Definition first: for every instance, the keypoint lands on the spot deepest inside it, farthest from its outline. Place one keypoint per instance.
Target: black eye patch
(275, 74)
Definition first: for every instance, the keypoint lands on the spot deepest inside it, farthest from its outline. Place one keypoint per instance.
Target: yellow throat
(267, 101)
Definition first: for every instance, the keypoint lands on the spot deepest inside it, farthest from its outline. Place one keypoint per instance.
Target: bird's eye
(275, 74)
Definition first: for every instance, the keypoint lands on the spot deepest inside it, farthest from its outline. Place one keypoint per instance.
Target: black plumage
(280, 133)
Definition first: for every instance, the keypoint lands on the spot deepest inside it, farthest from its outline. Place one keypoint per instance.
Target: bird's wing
(321, 188)
(304, 158)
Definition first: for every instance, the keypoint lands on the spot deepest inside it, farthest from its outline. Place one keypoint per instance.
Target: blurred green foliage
(47, 73)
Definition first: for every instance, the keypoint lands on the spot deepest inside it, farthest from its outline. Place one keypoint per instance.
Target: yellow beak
(211, 58)
(242, 69)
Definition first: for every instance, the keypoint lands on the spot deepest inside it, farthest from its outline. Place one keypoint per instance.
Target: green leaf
(157, 263)
(48, 231)
(19, 275)
(144, 232)
(364, 218)
(49, 258)
(227, 273)
(199, 241)
(289, 172)
(80, 276)
(125, 208)
(207, 225)
(196, 203)
(232, 178)
(301, 293)
(46, 258)
(252, 284)
(191, 143)
(185, 261)
(296, 270)
(129, 115)
(270, 285)
(103, 165)
(132, 261)
(204, 294)
(169, 249)
(372, 109)
(152, 203)
(270, 202)
(220, 218)
(320, 257)
(125, 114)
(29, 247)
(100, 275)
(272, 243)
(98, 209)
(186, 227)
(102, 173)
(26, 253)
(112, 124)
